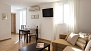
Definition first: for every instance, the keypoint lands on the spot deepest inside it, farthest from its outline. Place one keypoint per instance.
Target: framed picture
(4, 16)
(37, 16)
(32, 16)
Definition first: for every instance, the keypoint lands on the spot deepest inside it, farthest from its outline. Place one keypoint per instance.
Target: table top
(32, 47)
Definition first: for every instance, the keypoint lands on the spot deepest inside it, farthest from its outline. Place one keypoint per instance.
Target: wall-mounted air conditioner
(34, 8)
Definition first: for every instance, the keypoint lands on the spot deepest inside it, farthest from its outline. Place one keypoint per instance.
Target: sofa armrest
(62, 36)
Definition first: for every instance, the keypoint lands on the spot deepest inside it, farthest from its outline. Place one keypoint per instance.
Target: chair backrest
(37, 30)
(23, 26)
(32, 31)
(88, 47)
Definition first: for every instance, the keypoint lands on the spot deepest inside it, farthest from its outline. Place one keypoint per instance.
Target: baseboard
(5, 39)
(44, 40)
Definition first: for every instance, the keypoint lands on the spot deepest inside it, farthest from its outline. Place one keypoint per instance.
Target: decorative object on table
(4, 16)
(40, 45)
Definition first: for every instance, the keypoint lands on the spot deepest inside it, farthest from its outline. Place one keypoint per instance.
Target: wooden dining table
(27, 32)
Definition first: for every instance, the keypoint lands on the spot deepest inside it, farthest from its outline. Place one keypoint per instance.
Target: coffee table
(32, 47)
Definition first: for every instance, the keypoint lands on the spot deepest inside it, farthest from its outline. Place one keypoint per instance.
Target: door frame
(14, 22)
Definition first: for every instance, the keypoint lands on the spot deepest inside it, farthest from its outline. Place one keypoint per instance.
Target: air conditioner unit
(34, 8)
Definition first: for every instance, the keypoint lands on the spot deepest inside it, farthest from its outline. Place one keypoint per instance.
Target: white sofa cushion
(81, 42)
(82, 35)
(69, 48)
(88, 47)
(72, 38)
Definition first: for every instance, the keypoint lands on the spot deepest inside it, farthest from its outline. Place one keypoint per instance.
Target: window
(64, 13)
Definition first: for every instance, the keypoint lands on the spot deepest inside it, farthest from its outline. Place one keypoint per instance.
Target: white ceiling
(24, 3)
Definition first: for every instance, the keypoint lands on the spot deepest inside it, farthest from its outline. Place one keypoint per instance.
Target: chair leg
(24, 37)
(29, 38)
(36, 38)
(21, 36)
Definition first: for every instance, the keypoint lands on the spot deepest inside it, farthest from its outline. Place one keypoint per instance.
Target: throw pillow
(88, 47)
(72, 38)
(80, 44)
(82, 35)
(69, 48)
(82, 40)
(89, 38)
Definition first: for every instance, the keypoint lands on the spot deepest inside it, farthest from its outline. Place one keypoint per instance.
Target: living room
(48, 29)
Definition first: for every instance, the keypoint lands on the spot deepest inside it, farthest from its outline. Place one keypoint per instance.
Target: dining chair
(32, 34)
(23, 26)
(23, 33)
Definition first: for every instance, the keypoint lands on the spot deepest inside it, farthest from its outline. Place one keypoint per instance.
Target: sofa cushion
(82, 35)
(88, 47)
(61, 41)
(81, 42)
(69, 48)
(72, 38)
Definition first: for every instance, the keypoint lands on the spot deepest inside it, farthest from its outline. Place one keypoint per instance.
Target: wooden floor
(14, 44)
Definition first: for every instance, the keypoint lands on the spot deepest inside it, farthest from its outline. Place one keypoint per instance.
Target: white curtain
(69, 15)
(64, 14)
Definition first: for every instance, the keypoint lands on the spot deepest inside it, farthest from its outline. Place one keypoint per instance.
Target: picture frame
(32, 16)
(4, 16)
(37, 16)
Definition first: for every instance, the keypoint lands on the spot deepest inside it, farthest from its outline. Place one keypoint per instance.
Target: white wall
(45, 24)
(84, 15)
(13, 10)
(5, 25)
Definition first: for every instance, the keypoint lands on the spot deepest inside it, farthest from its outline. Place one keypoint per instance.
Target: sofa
(88, 48)
(62, 44)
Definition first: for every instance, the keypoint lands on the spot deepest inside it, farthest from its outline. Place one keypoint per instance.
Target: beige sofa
(88, 48)
(61, 43)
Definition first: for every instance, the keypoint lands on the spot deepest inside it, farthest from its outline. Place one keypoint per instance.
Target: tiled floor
(14, 44)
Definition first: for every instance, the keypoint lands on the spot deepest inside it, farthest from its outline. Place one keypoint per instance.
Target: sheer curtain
(64, 14)
(69, 17)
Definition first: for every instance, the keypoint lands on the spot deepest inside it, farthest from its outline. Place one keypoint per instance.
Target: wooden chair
(23, 33)
(34, 32)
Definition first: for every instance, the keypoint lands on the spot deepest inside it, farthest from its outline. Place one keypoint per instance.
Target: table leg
(27, 38)
(36, 35)
(19, 35)
(36, 38)
(49, 48)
